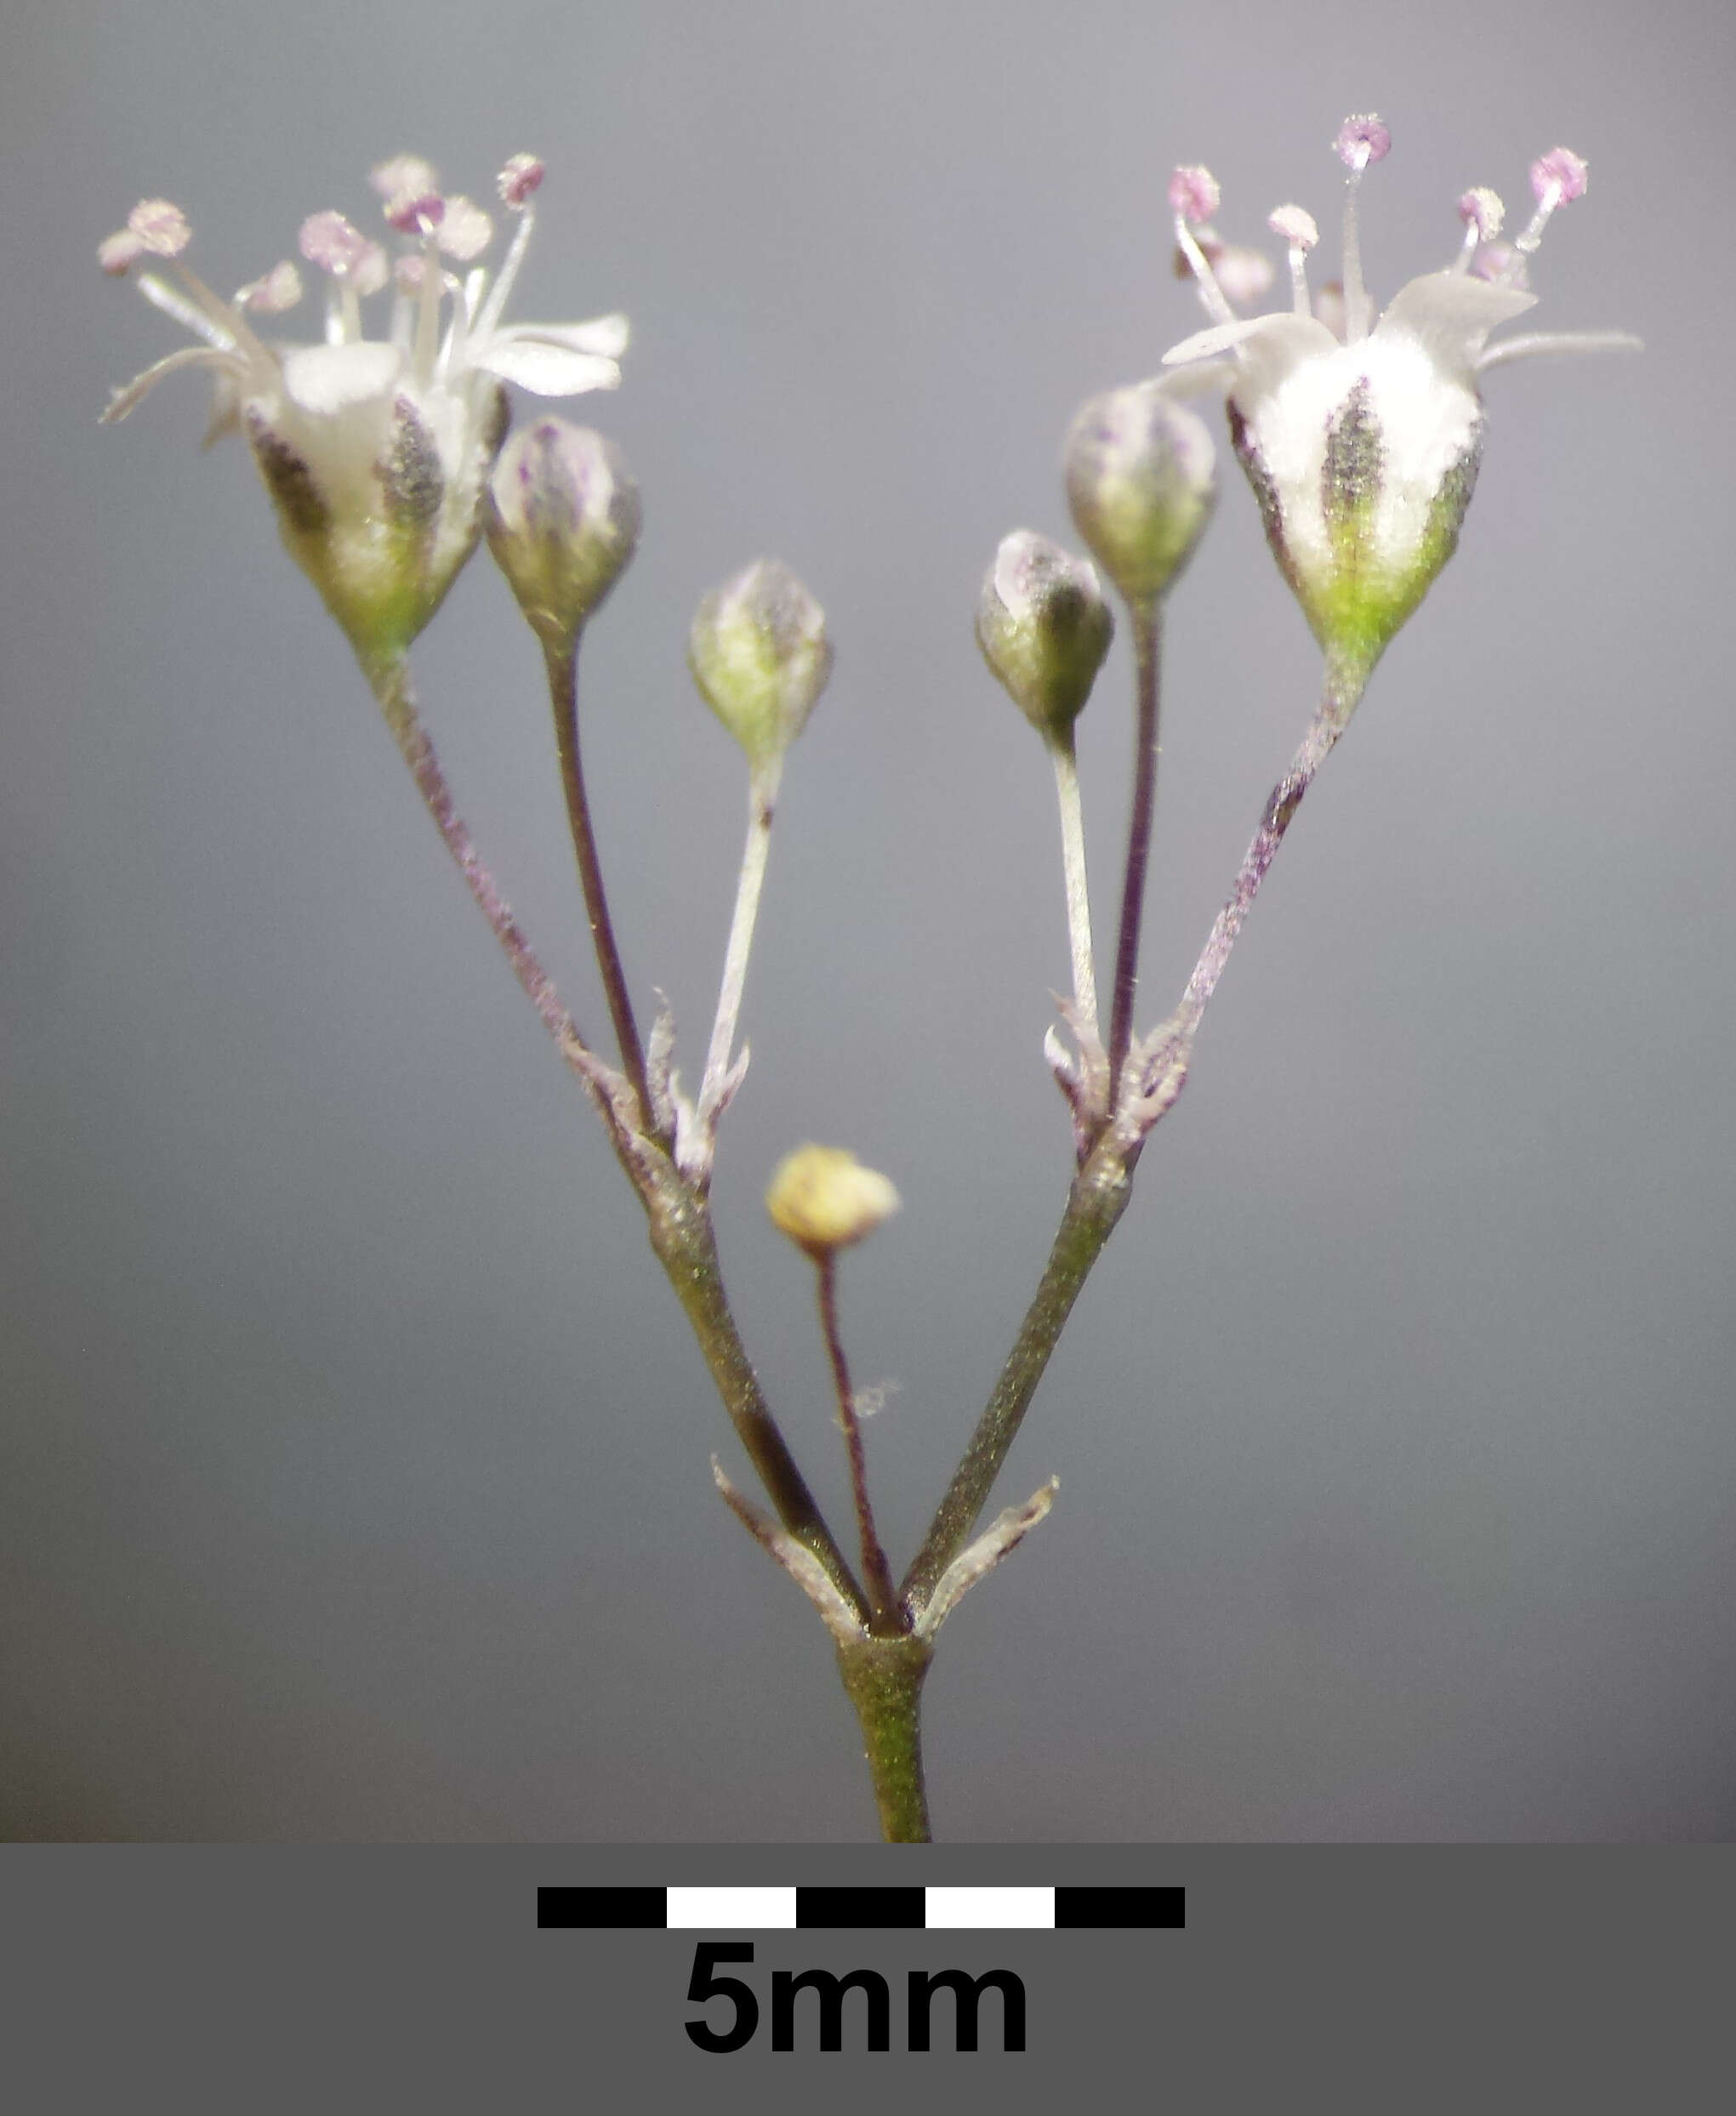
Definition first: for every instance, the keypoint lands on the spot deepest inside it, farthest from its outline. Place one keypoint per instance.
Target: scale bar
(861, 1909)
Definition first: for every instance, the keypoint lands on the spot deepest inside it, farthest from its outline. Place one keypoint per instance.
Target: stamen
(328, 242)
(1193, 197)
(1483, 212)
(355, 266)
(115, 253)
(1558, 178)
(1501, 265)
(1361, 142)
(521, 175)
(517, 184)
(466, 231)
(402, 173)
(427, 340)
(154, 228)
(415, 213)
(160, 227)
(1295, 228)
(1243, 274)
(273, 292)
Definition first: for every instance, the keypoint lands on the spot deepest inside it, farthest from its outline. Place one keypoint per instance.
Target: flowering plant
(387, 461)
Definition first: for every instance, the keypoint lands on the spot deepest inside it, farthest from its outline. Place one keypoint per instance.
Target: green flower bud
(563, 518)
(824, 1199)
(1141, 481)
(760, 654)
(1044, 628)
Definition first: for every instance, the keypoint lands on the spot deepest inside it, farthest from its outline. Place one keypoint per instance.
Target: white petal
(124, 400)
(546, 370)
(324, 379)
(1295, 336)
(1450, 315)
(603, 334)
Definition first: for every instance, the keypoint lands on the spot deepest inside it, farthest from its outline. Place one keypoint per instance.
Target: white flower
(376, 451)
(1362, 443)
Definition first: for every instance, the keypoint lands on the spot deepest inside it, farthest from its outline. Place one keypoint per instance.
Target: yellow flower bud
(824, 1199)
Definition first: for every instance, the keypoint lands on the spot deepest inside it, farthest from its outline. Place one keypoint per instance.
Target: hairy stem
(876, 1573)
(1343, 688)
(563, 695)
(396, 696)
(1147, 618)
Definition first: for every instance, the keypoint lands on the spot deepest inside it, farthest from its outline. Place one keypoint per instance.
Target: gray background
(355, 1456)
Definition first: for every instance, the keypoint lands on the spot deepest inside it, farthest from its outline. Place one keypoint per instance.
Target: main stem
(1147, 618)
(563, 695)
(876, 1573)
(884, 1678)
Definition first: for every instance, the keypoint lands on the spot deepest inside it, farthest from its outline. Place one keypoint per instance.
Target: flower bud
(1141, 481)
(759, 652)
(824, 1199)
(1044, 628)
(563, 520)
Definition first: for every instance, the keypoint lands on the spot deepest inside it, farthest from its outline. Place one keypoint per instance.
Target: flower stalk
(1063, 755)
(562, 661)
(1147, 618)
(877, 1574)
(750, 881)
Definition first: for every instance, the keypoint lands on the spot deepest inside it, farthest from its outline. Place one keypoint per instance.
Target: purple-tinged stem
(877, 1574)
(1147, 643)
(1339, 702)
(563, 693)
(397, 700)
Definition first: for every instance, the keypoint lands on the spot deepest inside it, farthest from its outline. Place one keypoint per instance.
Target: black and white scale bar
(861, 1910)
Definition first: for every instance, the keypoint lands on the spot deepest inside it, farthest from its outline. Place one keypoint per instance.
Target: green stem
(686, 1246)
(1095, 1204)
(884, 1678)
